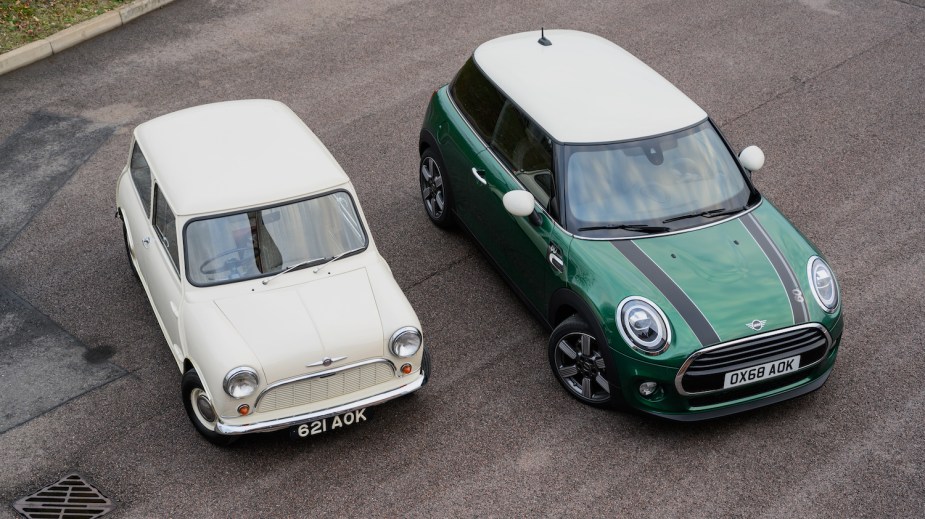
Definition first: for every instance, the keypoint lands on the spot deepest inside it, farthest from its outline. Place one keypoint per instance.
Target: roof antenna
(543, 41)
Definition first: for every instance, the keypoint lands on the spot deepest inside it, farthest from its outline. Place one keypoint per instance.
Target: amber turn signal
(406, 369)
(244, 409)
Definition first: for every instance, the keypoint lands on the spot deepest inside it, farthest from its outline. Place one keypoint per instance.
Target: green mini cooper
(618, 212)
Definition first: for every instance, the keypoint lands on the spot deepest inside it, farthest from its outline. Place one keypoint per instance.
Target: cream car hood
(291, 328)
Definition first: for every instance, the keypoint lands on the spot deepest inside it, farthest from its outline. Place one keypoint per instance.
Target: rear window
(478, 99)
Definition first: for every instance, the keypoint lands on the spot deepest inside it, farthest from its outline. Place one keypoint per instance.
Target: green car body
(734, 291)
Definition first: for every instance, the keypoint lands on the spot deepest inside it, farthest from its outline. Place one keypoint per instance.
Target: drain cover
(70, 498)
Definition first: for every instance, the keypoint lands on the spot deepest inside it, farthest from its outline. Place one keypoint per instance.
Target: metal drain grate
(70, 498)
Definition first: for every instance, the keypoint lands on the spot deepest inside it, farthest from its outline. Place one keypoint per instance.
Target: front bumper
(282, 423)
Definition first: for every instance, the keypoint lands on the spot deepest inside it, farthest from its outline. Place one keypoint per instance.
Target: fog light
(406, 369)
(244, 409)
(648, 389)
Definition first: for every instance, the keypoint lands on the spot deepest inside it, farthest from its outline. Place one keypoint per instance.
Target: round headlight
(405, 342)
(643, 325)
(822, 281)
(240, 382)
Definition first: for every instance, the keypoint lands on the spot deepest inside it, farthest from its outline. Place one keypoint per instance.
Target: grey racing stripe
(682, 303)
(784, 272)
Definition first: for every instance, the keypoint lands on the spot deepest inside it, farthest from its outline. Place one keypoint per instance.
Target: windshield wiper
(638, 227)
(290, 268)
(712, 213)
(334, 258)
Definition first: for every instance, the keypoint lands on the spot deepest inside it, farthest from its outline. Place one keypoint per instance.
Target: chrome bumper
(282, 423)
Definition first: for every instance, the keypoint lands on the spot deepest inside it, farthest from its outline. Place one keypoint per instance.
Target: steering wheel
(230, 264)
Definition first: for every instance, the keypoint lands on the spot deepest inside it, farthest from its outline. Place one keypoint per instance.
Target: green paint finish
(721, 268)
(727, 275)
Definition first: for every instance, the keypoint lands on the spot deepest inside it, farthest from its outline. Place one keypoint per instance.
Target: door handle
(479, 175)
(554, 255)
(146, 242)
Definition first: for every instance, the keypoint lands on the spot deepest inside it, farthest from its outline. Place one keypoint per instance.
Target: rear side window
(478, 99)
(141, 177)
(166, 226)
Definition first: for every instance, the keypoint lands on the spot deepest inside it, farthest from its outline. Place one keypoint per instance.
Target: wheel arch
(426, 141)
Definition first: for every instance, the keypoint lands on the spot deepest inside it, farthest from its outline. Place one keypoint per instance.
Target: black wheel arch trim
(565, 297)
(427, 140)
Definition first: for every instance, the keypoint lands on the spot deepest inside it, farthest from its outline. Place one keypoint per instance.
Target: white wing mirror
(521, 203)
(752, 158)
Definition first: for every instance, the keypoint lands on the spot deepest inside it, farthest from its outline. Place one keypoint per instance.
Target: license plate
(761, 372)
(329, 424)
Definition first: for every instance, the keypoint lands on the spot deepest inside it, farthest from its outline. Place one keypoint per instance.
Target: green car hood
(714, 284)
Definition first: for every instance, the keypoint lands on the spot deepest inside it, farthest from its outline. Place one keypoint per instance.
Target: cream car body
(319, 337)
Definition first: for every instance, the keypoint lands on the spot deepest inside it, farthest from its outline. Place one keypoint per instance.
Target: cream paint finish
(289, 328)
(595, 94)
(260, 153)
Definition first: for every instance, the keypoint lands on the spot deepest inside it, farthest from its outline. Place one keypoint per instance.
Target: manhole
(70, 498)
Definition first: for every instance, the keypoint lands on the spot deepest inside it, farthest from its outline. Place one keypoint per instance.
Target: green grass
(24, 21)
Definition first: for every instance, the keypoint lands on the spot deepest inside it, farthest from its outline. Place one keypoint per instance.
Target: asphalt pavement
(831, 90)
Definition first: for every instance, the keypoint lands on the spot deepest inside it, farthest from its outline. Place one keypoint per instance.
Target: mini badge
(756, 324)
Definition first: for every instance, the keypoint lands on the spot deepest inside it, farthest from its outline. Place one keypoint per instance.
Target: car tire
(198, 408)
(128, 252)
(435, 189)
(578, 363)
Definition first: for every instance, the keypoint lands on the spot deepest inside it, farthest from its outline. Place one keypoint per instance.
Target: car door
(159, 258)
(462, 139)
(136, 204)
(529, 250)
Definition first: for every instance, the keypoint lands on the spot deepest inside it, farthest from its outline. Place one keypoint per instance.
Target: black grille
(707, 371)
(70, 498)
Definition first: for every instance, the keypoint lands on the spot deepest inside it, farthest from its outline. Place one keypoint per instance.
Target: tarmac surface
(831, 90)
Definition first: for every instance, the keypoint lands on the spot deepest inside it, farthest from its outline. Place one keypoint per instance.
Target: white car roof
(585, 89)
(235, 154)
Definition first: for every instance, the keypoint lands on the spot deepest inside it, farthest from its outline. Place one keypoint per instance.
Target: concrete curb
(41, 49)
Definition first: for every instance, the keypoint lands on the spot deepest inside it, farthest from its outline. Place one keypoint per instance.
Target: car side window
(527, 151)
(141, 177)
(478, 99)
(166, 226)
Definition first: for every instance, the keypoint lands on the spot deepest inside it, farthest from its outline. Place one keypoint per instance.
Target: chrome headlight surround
(822, 283)
(241, 382)
(643, 325)
(405, 342)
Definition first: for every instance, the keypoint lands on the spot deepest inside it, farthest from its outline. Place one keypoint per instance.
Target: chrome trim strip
(324, 373)
(566, 231)
(626, 337)
(401, 331)
(331, 360)
(281, 423)
(693, 356)
(812, 285)
(235, 371)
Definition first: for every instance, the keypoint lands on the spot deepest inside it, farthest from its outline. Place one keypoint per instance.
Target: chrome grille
(324, 386)
(705, 371)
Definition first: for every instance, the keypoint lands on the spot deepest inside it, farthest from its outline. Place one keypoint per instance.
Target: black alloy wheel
(435, 191)
(577, 360)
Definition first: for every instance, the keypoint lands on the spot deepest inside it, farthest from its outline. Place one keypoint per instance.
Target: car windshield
(261, 242)
(653, 185)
